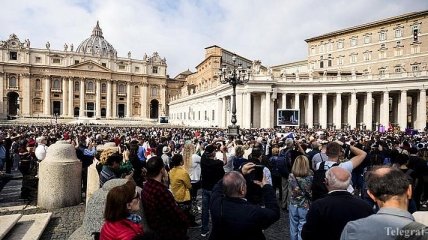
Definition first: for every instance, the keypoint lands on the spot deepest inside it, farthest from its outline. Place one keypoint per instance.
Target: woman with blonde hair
(192, 163)
(299, 187)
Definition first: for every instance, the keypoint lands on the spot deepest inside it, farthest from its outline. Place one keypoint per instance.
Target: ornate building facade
(88, 81)
(366, 76)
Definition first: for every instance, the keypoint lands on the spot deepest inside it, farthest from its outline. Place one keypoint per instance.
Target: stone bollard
(94, 214)
(60, 177)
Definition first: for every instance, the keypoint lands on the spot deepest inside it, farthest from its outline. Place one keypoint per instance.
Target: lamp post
(234, 75)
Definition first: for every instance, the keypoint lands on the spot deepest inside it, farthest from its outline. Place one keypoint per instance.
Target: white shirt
(41, 151)
(195, 169)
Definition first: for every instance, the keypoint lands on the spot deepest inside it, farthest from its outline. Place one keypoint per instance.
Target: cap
(165, 149)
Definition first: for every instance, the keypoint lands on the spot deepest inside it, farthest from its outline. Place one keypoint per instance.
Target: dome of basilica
(96, 44)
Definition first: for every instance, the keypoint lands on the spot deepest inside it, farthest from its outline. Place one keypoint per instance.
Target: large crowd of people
(331, 182)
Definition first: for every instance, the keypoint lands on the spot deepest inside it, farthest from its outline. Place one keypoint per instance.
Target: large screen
(288, 117)
(163, 119)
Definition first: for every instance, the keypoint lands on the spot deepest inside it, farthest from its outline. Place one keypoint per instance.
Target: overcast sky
(272, 31)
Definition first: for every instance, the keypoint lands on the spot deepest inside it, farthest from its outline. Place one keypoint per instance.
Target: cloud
(271, 30)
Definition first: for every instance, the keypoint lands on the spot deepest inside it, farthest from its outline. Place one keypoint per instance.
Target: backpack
(273, 166)
(283, 163)
(319, 190)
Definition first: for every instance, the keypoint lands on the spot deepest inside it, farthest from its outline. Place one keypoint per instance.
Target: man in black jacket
(328, 216)
(233, 217)
(211, 172)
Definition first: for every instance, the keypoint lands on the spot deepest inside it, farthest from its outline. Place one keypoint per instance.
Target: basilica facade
(89, 81)
(370, 76)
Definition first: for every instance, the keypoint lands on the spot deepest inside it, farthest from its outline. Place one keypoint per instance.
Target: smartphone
(258, 172)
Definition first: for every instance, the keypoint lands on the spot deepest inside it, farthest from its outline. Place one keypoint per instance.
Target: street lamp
(235, 75)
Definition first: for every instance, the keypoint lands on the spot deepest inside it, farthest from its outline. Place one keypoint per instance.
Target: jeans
(206, 196)
(285, 197)
(297, 217)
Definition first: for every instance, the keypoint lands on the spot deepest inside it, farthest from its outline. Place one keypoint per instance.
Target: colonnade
(341, 109)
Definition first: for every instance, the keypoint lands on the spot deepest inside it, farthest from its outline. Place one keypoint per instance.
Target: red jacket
(120, 230)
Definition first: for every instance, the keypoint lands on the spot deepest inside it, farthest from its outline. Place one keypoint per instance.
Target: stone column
(129, 100)
(71, 97)
(65, 98)
(310, 111)
(323, 111)
(338, 111)
(163, 100)
(384, 115)
(3, 111)
(422, 111)
(26, 98)
(403, 111)
(114, 97)
(82, 98)
(239, 108)
(247, 106)
(224, 115)
(267, 111)
(47, 100)
(109, 90)
(284, 101)
(368, 111)
(143, 100)
(296, 101)
(220, 113)
(352, 111)
(98, 99)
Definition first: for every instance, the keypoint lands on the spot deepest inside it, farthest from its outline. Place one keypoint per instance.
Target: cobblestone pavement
(65, 221)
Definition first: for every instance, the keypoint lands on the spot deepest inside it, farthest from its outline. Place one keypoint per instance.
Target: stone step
(7, 222)
(29, 227)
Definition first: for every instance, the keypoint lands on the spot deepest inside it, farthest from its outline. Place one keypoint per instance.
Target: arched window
(103, 88)
(56, 85)
(76, 86)
(121, 88)
(13, 82)
(136, 90)
(90, 86)
(38, 84)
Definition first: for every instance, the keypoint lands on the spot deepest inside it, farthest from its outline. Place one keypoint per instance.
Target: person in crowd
(166, 157)
(235, 218)
(254, 193)
(315, 149)
(121, 222)
(110, 169)
(299, 186)
(180, 185)
(276, 176)
(164, 217)
(390, 188)
(336, 209)
(192, 164)
(333, 152)
(419, 165)
(320, 156)
(211, 172)
(239, 159)
(3, 153)
(137, 164)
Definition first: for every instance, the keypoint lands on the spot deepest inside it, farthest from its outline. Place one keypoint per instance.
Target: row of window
(367, 56)
(367, 38)
(192, 116)
(90, 86)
